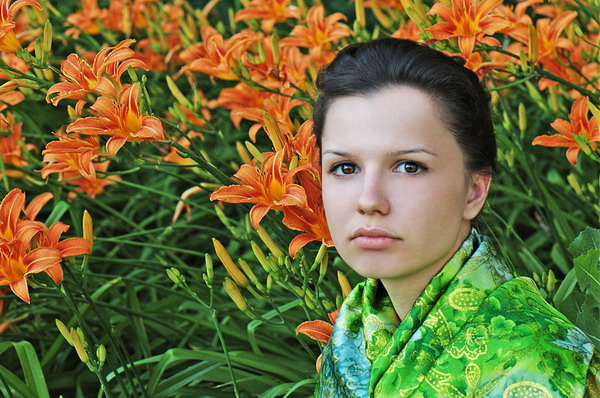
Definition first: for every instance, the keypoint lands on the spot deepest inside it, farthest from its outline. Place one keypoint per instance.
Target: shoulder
(519, 301)
(534, 341)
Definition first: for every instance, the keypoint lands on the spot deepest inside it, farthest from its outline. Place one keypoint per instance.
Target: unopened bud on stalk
(261, 53)
(532, 46)
(275, 49)
(551, 282)
(344, 284)
(88, 229)
(175, 276)
(79, 344)
(273, 131)
(523, 60)
(522, 118)
(47, 42)
(359, 8)
(179, 97)
(243, 152)
(269, 283)
(574, 183)
(230, 266)
(235, 294)
(9, 86)
(255, 152)
(248, 271)
(209, 268)
(64, 331)
(537, 278)
(320, 254)
(264, 236)
(323, 267)
(260, 256)
(101, 354)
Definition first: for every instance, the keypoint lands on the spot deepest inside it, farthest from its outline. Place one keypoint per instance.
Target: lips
(373, 238)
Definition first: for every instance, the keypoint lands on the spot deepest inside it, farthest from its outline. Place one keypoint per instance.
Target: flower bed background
(123, 123)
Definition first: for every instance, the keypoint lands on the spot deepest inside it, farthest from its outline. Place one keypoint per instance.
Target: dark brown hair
(368, 68)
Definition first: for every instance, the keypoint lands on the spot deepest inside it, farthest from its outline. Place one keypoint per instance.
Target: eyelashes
(406, 167)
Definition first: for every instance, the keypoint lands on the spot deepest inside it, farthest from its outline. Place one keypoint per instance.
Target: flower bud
(64, 331)
(230, 266)
(344, 284)
(78, 343)
(235, 294)
(264, 236)
(88, 229)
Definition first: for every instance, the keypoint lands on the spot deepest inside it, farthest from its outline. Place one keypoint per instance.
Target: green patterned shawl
(475, 331)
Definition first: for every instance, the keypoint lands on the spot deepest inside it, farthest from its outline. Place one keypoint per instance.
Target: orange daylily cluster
(116, 113)
(483, 22)
(28, 246)
(9, 43)
(272, 75)
(286, 180)
(578, 125)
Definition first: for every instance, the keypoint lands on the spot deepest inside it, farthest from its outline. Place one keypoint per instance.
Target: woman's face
(397, 196)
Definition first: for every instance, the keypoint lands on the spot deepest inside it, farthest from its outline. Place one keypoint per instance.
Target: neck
(405, 291)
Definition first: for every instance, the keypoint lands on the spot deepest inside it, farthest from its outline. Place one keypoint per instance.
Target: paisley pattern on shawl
(475, 331)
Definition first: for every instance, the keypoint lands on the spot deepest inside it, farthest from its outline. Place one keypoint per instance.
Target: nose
(373, 198)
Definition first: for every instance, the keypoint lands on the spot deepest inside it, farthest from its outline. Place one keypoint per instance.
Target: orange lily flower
(216, 56)
(71, 155)
(310, 219)
(518, 18)
(319, 330)
(49, 238)
(408, 30)
(14, 62)
(17, 264)
(241, 96)
(319, 34)
(276, 105)
(91, 186)
(86, 20)
(469, 21)
(11, 146)
(83, 78)
(304, 145)
(8, 39)
(269, 12)
(575, 65)
(270, 187)
(276, 68)
(548, 32)
(578, 124)
(121, 120)
(17, 259)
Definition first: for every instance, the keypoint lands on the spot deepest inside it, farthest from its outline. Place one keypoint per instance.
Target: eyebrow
(401, 152)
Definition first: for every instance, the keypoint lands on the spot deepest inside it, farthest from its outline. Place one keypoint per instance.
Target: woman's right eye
(342, 169)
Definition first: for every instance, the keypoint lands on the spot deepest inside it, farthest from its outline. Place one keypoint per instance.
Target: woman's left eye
(410, 167)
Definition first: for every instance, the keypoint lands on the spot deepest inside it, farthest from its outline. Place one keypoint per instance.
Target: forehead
(390, 120)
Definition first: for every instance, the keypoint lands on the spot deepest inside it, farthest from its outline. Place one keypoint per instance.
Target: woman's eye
(411, 167)
(344, 169)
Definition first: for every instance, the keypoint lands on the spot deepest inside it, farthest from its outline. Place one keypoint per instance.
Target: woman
(408, 153)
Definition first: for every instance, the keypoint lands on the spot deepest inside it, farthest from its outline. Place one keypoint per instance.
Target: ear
(479, 185)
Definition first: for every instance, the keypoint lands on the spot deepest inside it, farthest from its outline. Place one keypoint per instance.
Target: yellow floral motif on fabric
(526, 389)
(466, 299)
(471, 343)
(439, 324)
(473, 374)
